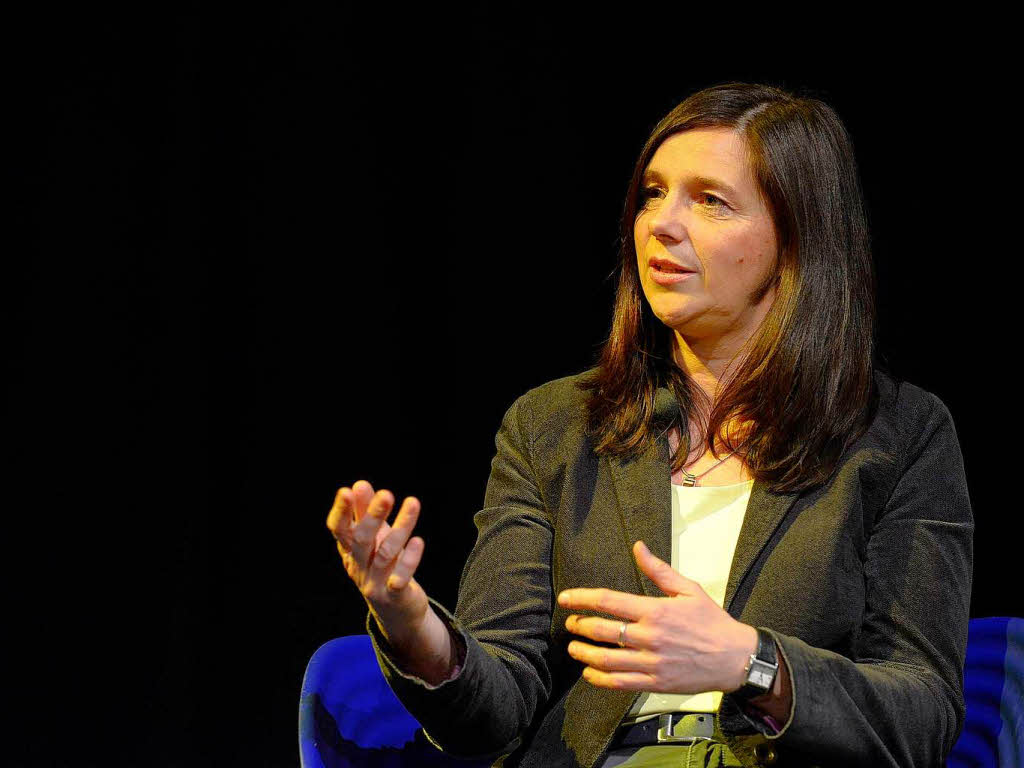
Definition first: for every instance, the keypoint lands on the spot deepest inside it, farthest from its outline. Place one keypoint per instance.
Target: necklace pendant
(689, 480)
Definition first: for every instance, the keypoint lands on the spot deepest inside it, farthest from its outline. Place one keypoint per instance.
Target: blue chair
(993, 733)
(348, 716)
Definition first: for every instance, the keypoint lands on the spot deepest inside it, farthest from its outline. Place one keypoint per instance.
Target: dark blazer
(864, 583)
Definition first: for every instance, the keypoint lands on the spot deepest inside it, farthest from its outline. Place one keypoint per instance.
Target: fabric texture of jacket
(863, 582)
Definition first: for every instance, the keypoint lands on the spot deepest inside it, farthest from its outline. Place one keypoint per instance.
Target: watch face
(761, 674)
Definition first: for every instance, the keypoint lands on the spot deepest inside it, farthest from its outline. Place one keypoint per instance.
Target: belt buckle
(665, 726)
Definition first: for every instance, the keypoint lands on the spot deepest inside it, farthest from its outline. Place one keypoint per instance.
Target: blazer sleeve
(502, 619)
(899, 702)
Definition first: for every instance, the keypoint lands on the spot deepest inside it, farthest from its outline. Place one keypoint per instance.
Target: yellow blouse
(706, 523)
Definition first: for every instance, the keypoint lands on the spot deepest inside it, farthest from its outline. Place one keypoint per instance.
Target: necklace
(690, 480)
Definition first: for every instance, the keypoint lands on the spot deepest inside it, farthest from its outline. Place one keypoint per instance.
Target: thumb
(668, 580)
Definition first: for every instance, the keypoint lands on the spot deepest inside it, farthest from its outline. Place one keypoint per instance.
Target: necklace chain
(690, 480)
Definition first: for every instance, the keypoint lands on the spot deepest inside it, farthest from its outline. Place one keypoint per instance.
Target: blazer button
(766, 754)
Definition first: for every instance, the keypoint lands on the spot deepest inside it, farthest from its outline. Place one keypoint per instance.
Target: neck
(710, 365)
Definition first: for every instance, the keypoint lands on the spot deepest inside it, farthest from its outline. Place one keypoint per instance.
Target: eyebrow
(700, 181)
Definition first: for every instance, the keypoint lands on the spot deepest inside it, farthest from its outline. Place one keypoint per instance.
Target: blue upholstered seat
(993, 733)
(348, 716)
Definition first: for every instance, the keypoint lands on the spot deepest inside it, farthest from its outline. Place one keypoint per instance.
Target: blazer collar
(644, 496)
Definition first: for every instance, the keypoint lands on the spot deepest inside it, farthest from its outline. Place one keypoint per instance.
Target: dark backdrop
(266, 255)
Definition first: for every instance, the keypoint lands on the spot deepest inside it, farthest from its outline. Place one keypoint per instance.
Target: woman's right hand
(381, 560)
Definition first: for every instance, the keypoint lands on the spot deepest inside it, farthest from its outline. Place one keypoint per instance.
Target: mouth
(667, 266)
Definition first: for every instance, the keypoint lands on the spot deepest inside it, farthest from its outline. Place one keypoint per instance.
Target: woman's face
(700, 212)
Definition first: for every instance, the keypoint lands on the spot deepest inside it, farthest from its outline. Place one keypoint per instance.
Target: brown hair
(805, 386)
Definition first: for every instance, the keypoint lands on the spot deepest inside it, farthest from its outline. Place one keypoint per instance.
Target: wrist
(760, 671)
(746, 644)
(426, 650)
(775, 705)
(777, 702)
(406, 636)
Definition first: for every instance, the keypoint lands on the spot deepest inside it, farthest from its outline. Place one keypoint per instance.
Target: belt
(674, 727)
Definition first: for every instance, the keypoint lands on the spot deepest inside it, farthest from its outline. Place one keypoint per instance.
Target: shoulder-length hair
(805, 387)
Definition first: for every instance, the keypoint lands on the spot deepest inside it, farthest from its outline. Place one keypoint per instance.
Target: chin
(670, 313)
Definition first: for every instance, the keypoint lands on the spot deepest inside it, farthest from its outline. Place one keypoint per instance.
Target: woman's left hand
(683, 643)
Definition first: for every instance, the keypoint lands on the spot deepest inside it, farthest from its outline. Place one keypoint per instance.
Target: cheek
(766, 249)
(749, 260)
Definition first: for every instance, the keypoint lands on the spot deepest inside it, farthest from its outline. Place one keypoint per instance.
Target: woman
(732, 542)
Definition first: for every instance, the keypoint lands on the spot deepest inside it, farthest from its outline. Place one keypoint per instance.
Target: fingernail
(563, 598)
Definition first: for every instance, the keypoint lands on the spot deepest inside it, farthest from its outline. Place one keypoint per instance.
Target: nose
(666, 222)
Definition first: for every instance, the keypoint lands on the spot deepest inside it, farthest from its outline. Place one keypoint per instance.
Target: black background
(263, 255)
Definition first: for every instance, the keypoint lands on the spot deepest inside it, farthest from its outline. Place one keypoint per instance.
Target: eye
(716, 202)
(647, 194)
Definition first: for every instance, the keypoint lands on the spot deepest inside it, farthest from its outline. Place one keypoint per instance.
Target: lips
(665, 265)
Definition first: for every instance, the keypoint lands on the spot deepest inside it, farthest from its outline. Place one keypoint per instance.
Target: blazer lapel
(644, 495)
(765, 511)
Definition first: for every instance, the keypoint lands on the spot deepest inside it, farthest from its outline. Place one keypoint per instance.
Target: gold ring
(622, 635)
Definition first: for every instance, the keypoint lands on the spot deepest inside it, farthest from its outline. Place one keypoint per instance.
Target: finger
(637, 635)
(667, 578)
(364, 534)
(626, 681)
(613, 659)
(390, 546)
(406, 565)
(603, 600)
(364, 494)
(378, 539)
(339, 519)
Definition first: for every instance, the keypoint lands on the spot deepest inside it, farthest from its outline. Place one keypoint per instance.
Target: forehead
(703, 153)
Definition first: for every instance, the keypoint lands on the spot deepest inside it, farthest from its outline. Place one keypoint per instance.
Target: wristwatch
(761, 669)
